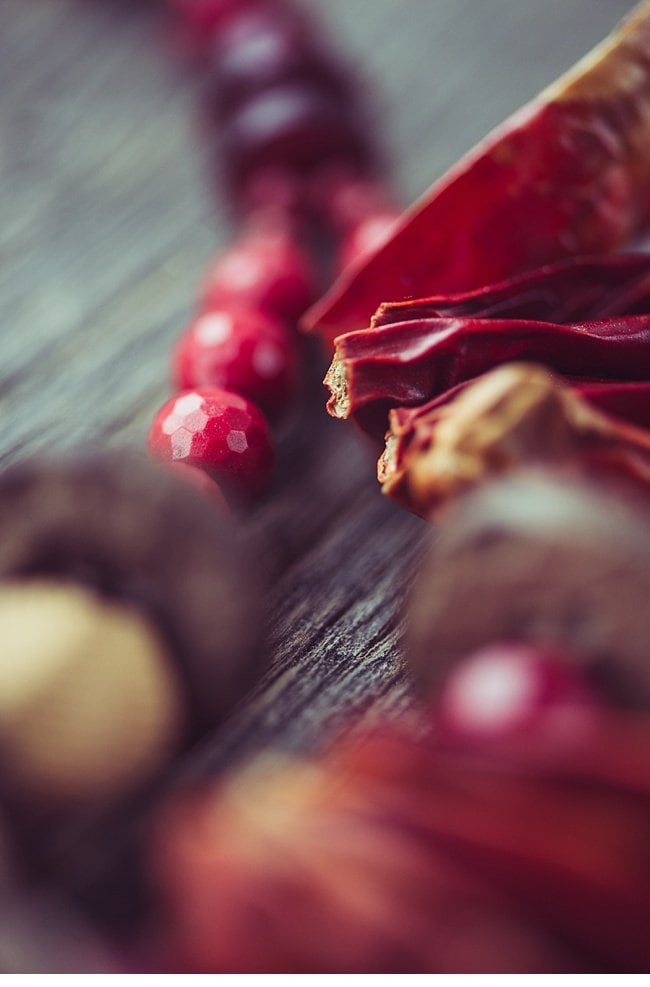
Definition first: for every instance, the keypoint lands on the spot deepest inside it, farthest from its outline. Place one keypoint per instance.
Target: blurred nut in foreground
(539, 557)
(88, 701)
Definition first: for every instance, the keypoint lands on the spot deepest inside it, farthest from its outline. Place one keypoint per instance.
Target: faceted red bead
(267, 271)
(509, 688)
(242, 350)
(218, 431)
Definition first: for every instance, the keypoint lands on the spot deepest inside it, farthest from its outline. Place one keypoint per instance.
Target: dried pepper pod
(517, 414)
(411, 362)
(625, 399)
(573, 290)
(392, 853)
(542, 557)
(567, 174)
(629, 400)
(126, 622)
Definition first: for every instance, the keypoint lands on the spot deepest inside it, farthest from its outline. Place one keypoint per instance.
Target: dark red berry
(509, 688)
(294, 126)
(218, 431)
(241, 350)
(266, 271)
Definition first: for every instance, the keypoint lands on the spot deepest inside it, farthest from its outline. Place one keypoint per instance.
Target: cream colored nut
(89, 705)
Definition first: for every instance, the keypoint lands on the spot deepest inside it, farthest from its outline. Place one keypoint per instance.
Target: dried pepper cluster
(564, 177)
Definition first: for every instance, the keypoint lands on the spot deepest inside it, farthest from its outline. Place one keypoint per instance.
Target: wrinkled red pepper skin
(572, 290)
(624, 399)
(568, 174)
(410, 363)
(627, 400)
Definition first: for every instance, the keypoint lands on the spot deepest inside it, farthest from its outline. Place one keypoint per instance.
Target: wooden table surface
(108, 216)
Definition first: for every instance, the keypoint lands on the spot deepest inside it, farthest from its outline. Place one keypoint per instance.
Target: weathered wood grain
(108, 215)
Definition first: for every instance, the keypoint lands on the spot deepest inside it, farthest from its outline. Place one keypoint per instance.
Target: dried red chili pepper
(410, 362)
(391, 853)
(569, 291)
(516, 414)
(628, 400)
(567, 174)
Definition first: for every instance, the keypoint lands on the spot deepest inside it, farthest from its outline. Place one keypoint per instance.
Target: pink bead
(218, 431)
(266, 271)
(241, 350)
(509, 688)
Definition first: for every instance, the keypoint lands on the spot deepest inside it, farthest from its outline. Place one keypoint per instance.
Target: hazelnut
(89, 704)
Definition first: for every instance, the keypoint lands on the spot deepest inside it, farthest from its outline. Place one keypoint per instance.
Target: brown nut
(89, 702)
(134, 534)
(539, 557)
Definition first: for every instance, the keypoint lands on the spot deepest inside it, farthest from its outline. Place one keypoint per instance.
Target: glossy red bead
(296, 125)
(266, 271)
(218, 431)
(242, 350)
(510, 688)
(263, 48)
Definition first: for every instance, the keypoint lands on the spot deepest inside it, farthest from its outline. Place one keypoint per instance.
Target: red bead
(218, 431)
(266, 48)
(241, 350)
(296, 126)
(369, 234)
(506, 689)
(266, 271)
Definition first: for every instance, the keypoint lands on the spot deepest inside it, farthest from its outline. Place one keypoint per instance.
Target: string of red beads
(294, 152)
